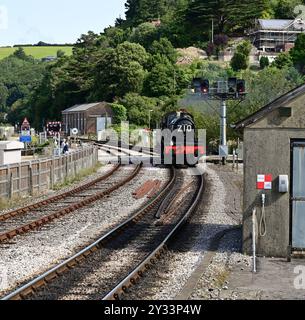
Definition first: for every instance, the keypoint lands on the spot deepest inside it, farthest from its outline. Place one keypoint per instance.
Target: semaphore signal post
(222, 90)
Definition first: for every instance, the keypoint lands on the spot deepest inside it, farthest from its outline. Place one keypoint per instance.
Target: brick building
(87, 118)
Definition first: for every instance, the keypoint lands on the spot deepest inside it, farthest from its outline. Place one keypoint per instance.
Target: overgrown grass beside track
(82, 174)
(18, 201)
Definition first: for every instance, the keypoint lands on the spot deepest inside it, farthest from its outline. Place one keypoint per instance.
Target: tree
(119, 71)
(245, 48)
(284, 9)
(3, 97)
(164, 47)
(220, 41)
(298, 53)
(20, 54)
(19, 78)
(161, 80)
(208, 122)
(60, 53)
(87, 40)
(228, 16)
(115, 36)
(263, 87)
(239, 62)
(144, 34)
(282, 60)
(132, 11)
(138, 108)
(264, 62)
(120, 113)
(139, 11)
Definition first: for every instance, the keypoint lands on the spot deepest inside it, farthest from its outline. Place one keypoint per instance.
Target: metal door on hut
(298, 195)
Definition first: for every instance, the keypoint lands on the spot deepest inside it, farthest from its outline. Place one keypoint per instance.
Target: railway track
(117, 260)
(124, 148)
(175, 216)
(34, 216)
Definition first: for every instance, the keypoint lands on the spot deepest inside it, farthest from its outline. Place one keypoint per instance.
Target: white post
(149, 121)
(149, 113)
(59, 144)
(223, 127)
(254, 239)
(238, 147)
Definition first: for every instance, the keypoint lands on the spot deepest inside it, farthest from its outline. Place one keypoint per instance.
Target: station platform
(276, 279)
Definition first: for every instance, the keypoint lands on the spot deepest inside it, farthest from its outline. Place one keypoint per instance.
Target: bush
(120, 113)
(244, 48)
(283, 60)
(264, 62)
(239, 62)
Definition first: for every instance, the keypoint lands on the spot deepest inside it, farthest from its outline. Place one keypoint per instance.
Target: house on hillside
(276, 35)
(49, 59)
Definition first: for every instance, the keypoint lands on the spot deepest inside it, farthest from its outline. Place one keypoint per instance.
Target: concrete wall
(267, 151)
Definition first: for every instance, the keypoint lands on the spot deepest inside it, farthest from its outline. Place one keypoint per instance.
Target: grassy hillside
(36, 52)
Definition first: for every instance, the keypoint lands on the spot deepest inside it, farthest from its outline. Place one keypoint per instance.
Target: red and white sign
(264, 182)
(25, 125)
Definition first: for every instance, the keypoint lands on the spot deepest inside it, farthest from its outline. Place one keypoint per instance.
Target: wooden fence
(38, 176)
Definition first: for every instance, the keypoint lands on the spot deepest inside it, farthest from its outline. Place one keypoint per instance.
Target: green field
(36, 52)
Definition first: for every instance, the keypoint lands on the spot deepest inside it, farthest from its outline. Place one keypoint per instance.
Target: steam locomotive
(179, 144)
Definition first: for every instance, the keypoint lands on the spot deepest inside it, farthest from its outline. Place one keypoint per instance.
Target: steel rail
(44, 220)
(67, 210)
(21, 211)
(138, 272)
(144, 150)
(70, 263)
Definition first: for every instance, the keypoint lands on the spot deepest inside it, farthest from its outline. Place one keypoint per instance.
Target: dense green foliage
(264, 62)
(125, 72)
(282, 60)
(240, 60)
(120, 113)
(20, 75)
(134, 64)
(298, 53)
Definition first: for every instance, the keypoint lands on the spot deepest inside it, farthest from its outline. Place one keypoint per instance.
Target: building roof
(81, 107)
(11, 145)
(275, 104)
(275, 24)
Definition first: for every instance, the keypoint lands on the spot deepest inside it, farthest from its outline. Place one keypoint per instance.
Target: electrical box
(283, 184)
